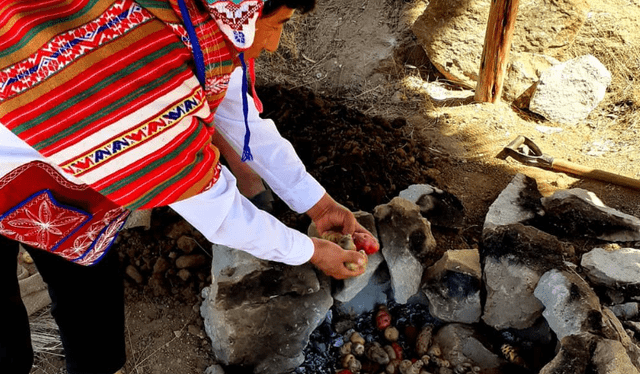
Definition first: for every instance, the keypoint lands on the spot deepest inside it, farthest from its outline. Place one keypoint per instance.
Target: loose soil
(339, 89)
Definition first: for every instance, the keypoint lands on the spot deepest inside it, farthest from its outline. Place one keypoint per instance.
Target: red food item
(398, 349)
(344, 371)
(383, 318)
(411, 333)
(366, 243)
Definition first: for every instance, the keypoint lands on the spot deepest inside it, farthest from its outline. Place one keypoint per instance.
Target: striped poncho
(105, 90)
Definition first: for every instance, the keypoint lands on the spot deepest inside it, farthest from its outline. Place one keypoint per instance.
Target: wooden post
(497, 43)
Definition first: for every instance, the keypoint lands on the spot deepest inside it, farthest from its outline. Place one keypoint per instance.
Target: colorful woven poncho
(106, 91)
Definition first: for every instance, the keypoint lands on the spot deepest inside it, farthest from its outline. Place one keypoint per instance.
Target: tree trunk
(497, 43)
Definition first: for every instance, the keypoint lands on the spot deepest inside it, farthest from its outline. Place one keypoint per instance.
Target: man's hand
(329, 215)
(330, 258)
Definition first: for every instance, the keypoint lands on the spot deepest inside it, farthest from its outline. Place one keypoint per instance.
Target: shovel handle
(580, 170)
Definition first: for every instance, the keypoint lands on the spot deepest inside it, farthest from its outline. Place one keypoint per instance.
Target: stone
(522, 75)
(134, 274)
(519, 202)
(190, 261)
(452, 33)
(442, 93)
(179, 229)
(614, 330)
(184, 274)
(139, 218)
(612, 268)
(610, 357)
(574, 356)
(532, 247)
(587, 353)
(452, 286)
(439, 207)
(346, 290)
(161, 265)
(376, 292)
(571, 306)
(510, 302)
(461, 343)
(22, 273)
(569, 91)
(260, 314)
(626, 311)
(405, 238)
(214, 369)
(186, 244)
(578, 212)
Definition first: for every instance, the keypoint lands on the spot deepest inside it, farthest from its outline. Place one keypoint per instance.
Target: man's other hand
(331, 258)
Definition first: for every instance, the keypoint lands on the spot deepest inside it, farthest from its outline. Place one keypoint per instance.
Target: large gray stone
(376, 292)
(574, 356)
(440, 207)
(578, 212)
(519, 202)
(510, 302)
(260, 314)
(571, 306)
(568, 92)
(534, 248)
(452, 286)
(587, 353)
(613, 268)
(461, 343)
(610, 357)
(405, 237)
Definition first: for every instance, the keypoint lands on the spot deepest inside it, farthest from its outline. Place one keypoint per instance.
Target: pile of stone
(525, 301)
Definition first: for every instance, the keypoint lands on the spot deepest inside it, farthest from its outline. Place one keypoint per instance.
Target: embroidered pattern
(142, 133)
(237, 21)
(40, 222)
(48, 217)
(13, 174)
(83, 241)
(69, 46)
(106, 239)
(218, 84)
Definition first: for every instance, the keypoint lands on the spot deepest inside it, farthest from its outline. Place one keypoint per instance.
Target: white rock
(568, 92)
(611, 268)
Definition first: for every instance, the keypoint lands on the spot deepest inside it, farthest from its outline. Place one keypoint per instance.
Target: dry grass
(620, 109)
(46, 343)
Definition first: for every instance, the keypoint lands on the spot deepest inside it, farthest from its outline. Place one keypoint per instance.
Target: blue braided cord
(246, 151)
(195, 44)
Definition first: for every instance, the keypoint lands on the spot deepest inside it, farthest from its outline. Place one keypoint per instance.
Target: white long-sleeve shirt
(221, 213)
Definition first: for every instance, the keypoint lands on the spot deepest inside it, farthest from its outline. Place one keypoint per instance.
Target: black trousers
(87, 304)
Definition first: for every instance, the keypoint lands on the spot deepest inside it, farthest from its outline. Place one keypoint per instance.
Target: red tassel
(252, 74)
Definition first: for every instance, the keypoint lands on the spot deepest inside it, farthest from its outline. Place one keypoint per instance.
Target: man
(109, 106)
